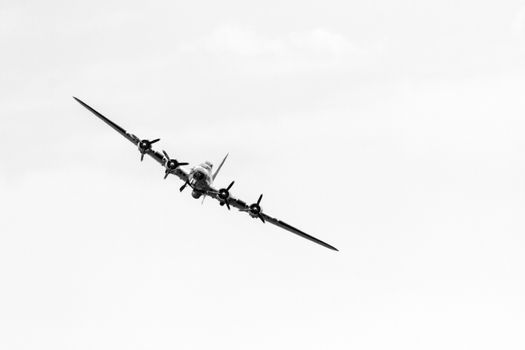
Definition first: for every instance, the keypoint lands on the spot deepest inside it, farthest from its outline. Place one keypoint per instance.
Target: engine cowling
(255, 210)
(144, 146)
(171, 164)
(224, 195)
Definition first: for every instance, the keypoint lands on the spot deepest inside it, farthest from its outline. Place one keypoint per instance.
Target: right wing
(159, 157)
(132, 138)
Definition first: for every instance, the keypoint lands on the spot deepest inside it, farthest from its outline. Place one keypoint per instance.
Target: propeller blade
(183, 186)
(166, 173)
(262, 219)
(181, 164)
(141, 157)
(166, 155)
(152, 142)
(227, 205)
(259, 201)
(230, 186)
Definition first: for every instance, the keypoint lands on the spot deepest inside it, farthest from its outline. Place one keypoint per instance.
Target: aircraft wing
(132, 138)
(159, 157)
(298, 232)
(243, 206)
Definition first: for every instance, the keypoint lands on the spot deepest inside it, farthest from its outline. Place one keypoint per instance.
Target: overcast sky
(390, 129)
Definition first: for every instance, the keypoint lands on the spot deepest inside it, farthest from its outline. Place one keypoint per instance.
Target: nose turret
(198, 175)
(196, 194)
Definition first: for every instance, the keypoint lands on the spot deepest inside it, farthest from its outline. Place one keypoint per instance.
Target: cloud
(237, 41)
(322, 41)
(232, 40)
(318, 48)
(518, 23)
(517, 32)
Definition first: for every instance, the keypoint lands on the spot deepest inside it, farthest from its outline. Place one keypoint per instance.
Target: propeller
(184, 186)
(171, 164)
(255, 209)
(224, 194)
(144, 146)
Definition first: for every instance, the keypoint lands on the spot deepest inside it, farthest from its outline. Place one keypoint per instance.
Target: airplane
(200, 179)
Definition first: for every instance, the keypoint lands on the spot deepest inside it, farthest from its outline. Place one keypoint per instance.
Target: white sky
(390, 129)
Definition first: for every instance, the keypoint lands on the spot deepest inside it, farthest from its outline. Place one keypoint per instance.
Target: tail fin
(219, 168)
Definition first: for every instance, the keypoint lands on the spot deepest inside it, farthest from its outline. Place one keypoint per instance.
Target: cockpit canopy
(207, 165)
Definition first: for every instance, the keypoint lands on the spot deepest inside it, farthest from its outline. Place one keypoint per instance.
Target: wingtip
(331, 247)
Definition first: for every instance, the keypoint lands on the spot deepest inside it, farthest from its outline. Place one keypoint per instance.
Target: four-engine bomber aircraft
(200, 179)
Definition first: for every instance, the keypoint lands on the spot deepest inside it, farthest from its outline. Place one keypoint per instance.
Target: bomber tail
(219, 168)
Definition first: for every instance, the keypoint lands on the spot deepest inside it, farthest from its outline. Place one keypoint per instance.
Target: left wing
(242, 206)
(298, 232)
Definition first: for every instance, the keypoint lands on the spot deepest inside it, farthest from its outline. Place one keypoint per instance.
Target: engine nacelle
(144, 145)
(196, 194)
(255, 212)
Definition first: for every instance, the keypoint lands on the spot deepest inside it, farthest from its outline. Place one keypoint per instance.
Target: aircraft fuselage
(200, 179)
